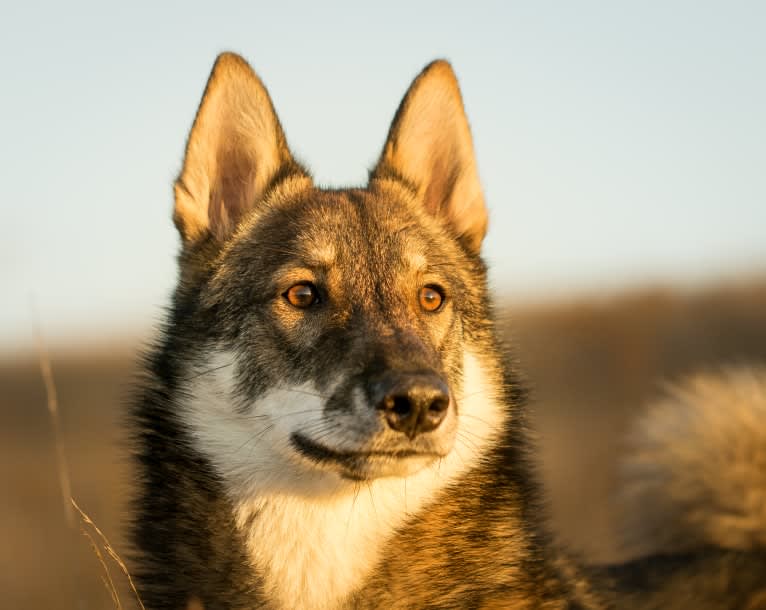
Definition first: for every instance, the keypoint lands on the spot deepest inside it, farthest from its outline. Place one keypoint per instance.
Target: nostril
(401, 405)
(438, 405)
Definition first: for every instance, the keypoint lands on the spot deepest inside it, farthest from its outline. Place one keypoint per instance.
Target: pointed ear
(429, 146)
(235, 150)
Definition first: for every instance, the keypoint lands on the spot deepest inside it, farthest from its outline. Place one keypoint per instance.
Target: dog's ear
(429, 146)
(235, 150)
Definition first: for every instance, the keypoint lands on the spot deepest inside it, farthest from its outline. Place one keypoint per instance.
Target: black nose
(413, 403)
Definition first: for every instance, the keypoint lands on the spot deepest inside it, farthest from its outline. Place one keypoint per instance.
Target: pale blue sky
(619, 143)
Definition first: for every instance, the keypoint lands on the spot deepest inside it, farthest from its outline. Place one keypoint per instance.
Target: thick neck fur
(313, 538)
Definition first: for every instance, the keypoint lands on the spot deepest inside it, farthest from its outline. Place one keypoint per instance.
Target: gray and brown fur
(274, 471)
(696, 466)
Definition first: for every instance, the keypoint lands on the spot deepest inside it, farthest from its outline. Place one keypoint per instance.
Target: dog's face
(333, 327)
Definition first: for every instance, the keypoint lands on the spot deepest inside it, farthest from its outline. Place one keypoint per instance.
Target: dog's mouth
(363, 465)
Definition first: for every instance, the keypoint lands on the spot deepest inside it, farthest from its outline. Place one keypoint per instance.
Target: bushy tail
(695, 472)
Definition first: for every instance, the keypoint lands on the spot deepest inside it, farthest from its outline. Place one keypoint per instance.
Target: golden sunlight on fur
(235, 125)
(430, 145)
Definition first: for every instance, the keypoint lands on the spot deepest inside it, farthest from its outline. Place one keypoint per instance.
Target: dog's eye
(302, 296)
(431, 298)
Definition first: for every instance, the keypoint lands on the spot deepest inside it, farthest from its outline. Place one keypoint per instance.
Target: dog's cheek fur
(246, 440)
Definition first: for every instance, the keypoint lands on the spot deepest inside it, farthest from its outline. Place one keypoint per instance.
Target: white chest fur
(313, 553)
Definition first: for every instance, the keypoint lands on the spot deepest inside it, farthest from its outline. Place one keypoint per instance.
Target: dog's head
(332, 334)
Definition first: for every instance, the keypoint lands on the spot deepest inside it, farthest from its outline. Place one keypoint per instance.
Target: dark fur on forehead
(350, 229)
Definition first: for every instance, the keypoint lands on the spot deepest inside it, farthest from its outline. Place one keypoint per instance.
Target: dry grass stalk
(53, 409)
(66, 487)
(110, 550)
(107, 579)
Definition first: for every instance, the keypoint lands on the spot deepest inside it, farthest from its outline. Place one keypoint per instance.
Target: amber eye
(302, 296)
(431, 298)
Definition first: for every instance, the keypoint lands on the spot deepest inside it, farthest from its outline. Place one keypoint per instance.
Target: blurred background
(622, 149)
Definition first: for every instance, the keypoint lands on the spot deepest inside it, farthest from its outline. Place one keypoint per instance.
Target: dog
(328, 418)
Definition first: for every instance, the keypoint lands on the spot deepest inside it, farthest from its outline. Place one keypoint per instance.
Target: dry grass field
(591, 365)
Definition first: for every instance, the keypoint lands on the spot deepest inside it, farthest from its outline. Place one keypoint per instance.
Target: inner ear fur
(430, 147)
(235, 150)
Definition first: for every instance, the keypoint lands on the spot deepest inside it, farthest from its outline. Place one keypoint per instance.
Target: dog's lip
(319, 453)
